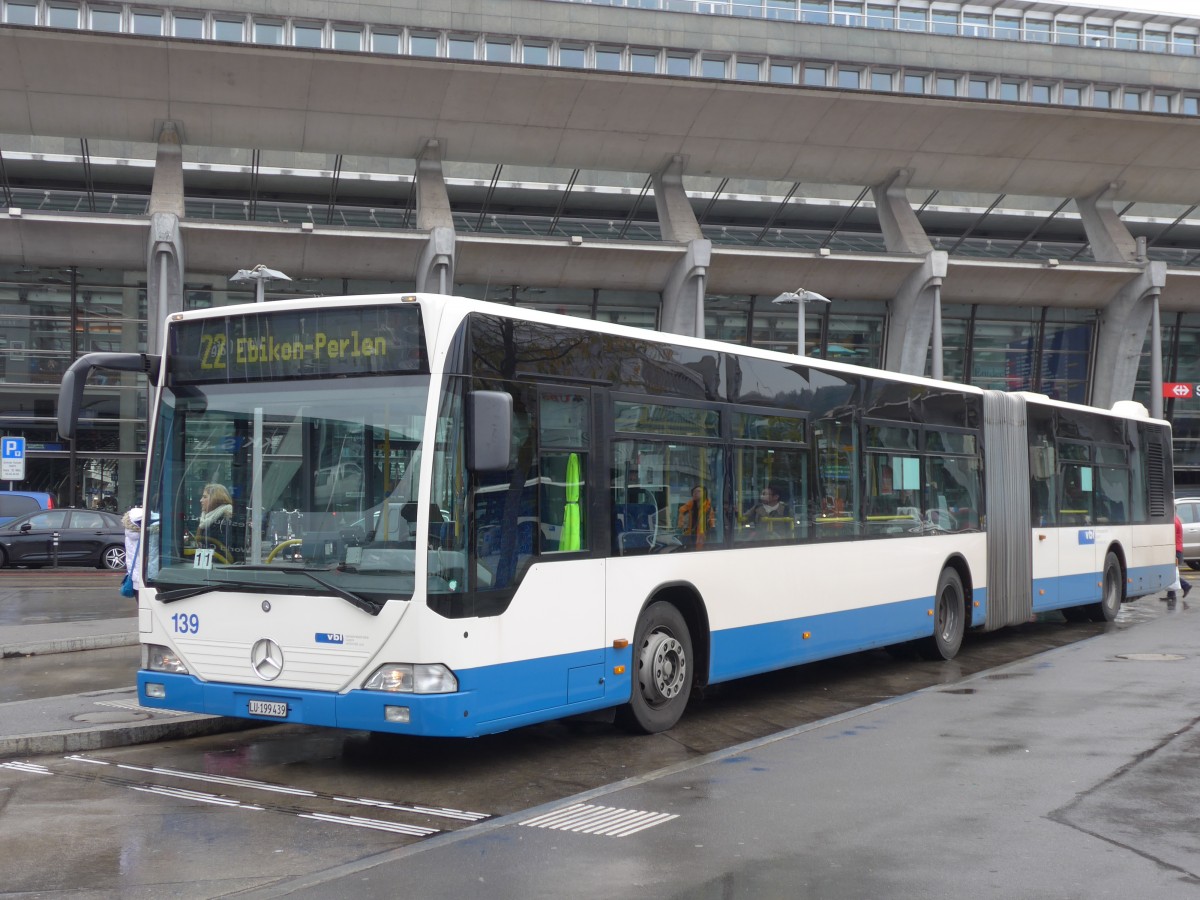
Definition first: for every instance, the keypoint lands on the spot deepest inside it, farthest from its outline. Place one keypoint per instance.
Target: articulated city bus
(430, 515)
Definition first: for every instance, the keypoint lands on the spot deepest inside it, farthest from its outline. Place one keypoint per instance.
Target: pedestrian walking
(1179, 583)
(132, 520)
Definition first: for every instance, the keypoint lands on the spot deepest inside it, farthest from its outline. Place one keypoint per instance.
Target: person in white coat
(133, 533)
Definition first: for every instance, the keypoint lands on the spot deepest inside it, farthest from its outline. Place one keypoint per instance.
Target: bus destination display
(368, 340)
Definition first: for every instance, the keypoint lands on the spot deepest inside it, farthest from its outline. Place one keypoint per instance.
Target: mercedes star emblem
(267, 659)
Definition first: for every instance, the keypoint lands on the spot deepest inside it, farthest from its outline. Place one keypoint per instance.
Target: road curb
(106, 737)
(66, 645)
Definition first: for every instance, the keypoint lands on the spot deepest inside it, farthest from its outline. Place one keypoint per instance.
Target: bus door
(538, 563)
(1045, 567)
(1077, 527)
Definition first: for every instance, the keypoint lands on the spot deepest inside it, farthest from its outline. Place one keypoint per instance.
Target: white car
(1188, 510)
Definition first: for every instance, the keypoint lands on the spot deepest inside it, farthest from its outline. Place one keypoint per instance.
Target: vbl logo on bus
(325, 637)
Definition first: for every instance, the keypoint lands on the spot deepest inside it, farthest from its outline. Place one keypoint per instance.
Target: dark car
(85, 537)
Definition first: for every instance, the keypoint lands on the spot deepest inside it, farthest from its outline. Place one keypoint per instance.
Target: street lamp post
(260, 274)
(800, 297)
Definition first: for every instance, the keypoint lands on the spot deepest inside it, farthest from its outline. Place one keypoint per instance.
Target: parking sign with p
(12, 459)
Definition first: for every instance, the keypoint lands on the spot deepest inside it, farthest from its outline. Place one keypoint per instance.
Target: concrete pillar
(164, 253)
(675, 215)
(910, 316)
(683, 294)
(1110, 239)
(435, 268)
(902, 233)
(1122, 334)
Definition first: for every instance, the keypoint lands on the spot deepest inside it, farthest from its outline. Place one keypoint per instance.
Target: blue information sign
(12, 458)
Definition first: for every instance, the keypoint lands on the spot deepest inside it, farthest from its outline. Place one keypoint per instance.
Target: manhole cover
(111, 718)
(1151, 657)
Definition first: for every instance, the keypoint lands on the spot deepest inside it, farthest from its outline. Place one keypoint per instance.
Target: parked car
(86, 537)
(1188, 510)
(18, 503)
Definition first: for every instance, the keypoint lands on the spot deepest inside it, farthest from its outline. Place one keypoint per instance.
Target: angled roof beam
(1162, 234)
(636, 206)
(777, 212)
(845, 215)
(487, 199)
(966, 234)
(333, 188)
(1037, 228)
(713, 200)
(562, 201)
(87, 174)
(8, 197)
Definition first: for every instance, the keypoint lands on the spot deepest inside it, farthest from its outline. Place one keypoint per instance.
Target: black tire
(949, 618)
(3, 560)
(1194, 564)
(112, 558)
(1113, 592)
(662, 671)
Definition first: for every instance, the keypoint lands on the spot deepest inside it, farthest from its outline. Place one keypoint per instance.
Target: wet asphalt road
(273, 801)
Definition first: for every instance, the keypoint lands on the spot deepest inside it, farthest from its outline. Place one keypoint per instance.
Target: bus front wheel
(662, 671)
(949, 618)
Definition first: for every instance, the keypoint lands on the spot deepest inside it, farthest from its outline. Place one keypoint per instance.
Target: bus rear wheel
(1110, 601)
(662, 671)
(949, 618)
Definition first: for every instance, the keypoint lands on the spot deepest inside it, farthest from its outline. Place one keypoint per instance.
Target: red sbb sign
(1179, 390)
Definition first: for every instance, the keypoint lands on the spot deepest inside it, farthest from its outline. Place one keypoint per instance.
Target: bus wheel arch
(670, 654)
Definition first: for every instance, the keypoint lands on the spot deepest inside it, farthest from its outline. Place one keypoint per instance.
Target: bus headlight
(157, 658)
(407, 678)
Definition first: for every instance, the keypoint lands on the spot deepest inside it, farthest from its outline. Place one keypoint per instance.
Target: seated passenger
(769, 517)
(697, 518)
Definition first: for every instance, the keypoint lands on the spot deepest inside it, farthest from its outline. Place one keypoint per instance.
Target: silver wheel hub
(663, 666)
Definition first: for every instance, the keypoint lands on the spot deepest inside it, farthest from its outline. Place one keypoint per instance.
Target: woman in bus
(696, 518)
(216, 512)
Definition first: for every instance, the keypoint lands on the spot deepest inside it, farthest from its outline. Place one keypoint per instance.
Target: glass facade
(52, 316)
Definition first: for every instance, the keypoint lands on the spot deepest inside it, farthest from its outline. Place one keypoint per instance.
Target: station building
(999, 193)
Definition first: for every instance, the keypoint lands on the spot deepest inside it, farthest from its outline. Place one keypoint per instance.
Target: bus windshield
(303, 486)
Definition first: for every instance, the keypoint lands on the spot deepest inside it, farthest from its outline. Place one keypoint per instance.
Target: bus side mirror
(490, 414)
(70, 391)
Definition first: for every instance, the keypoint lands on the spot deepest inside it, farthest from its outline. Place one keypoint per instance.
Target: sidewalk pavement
(91, 720)
(65, 637)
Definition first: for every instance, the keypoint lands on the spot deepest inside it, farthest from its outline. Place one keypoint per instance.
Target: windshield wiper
(183, 593)
(368, 606)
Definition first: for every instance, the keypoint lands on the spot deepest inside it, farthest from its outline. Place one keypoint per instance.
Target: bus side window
(506, 505)
(563, 502)
(835, 506)
(564, 417)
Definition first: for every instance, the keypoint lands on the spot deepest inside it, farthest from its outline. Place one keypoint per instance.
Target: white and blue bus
(435, 516)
